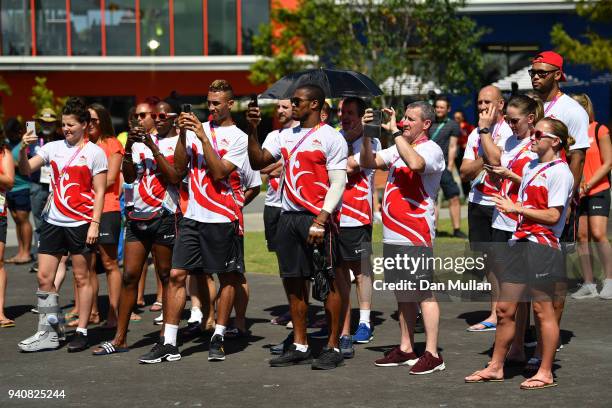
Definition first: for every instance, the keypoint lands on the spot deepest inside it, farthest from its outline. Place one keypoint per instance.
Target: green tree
(5, 89)
(597, 50)
(43, 97)
(380, 38)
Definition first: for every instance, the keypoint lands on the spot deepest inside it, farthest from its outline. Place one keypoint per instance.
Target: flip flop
(156, 307)
(135, 318)
(488, 326)
(539, 387)
(4, 324)
(481, 379)
(108, 348)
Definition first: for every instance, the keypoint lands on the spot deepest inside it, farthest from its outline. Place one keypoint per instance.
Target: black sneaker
(78, 343)
(292, 356)
(459, 234)
(328, 359)
(419, 326)
(281, 347)
(34, 268)
(216, 351)
(161, 352)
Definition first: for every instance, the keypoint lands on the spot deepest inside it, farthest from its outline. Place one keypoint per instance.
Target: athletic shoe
(586, 291)
(328, 359)
(289, 325)
(195, 316)
(161, 352)
(606, 290)
(78, 343)
(34, 267)
(459, 234)
(396, 357)
(292, 356)
(159, 320)
(428, 364)
(216, 351)
(363, 334)
(284, 345)
(346, 347)
(419, 326)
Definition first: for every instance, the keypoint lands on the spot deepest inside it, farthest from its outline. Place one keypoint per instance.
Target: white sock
(219, 330)
(170, 331)
(196, 315)
(364, 316)
(301, 347)
(81, 330)
(336, 349)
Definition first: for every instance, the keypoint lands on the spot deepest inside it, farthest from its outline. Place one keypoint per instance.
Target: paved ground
(245, 379)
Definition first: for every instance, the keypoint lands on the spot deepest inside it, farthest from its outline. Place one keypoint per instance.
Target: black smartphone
(253, 103)
(186, 107)
(372, 129)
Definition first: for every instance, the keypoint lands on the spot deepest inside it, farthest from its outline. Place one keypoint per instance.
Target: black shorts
(271, 216)
(160, 231)
(449, 185)
(533, 264)
(294, 253)
(355, 243)
(499, 246)
(19, 200)
(598, 204)
(480, 219)
(56, 240)
(398, 274)
(110, 228)
(3, 227)
(207, 247)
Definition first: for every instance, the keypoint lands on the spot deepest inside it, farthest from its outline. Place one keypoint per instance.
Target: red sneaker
(396, 357)
(428, 364)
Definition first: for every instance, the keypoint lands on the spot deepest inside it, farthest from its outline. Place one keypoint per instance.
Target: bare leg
(240, 303)
(3, 281)
(333, 311)
(162, 255)
(407, 320)
(431, 319)
(108, 253)
(80, 268)
(297, 292)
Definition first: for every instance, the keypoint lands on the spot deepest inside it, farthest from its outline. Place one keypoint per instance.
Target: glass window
(15, 21)
(188, 27)
(120, 16)
(254, 13)
(51, 27)
(154, 28)
(222, 27)
(85, 22)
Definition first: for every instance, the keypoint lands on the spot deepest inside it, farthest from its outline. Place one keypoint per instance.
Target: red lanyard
(75, 154)
(523, 150)
(310, 132)
(544, 168)
(552, 103)
(213, 136)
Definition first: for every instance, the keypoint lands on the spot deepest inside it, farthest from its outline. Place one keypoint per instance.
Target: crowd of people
(181, 186)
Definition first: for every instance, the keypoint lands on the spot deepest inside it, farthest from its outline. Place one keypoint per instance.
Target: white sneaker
(159, 320)
(606, 290)
(586, 291)
(195, 316)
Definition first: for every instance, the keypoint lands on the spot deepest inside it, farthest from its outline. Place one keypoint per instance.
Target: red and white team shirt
(306, 181)
(241, 180)
(73, 194)
(483, 188)
(213, 201)
(150, 192)
(545, 185)
(573, 115)
(408, 207)
(357, 199)
(273, 196)
(516, 153)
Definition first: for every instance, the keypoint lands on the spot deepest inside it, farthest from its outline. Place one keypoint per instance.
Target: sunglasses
(143, 115)
(163, 116)
(538, 134)
(296, 101)
(513, 121)
(540, 73)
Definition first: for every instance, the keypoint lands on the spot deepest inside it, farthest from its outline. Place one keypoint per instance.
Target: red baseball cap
(552, 58)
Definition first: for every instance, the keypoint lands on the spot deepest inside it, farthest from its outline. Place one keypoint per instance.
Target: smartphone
(186, 107)
(372, 129)
(31, 126)
(253, 103)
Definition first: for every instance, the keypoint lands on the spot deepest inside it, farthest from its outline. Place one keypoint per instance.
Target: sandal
(481, 379)
(7, 323)
(18, 261)
(486, 327)
(156, 307)
(108, 348)
(135, 318)
(537, 387)
(71, 315)
(94, 318)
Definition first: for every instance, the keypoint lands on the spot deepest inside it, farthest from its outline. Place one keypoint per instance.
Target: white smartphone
(31, 126)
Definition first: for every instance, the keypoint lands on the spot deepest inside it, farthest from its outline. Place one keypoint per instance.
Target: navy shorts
(3, 227)
(19, 200)
(449, 185)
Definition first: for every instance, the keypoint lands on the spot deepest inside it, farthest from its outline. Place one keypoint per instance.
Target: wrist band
(315, 229)
(315, 221)
(97, 222)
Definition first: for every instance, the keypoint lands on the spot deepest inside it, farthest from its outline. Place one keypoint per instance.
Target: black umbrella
(336, 83)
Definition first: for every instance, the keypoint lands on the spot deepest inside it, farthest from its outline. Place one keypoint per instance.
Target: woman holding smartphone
(71, 222)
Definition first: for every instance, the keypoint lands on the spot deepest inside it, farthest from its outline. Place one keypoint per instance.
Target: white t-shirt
(273, 198)
(570, 112)
(149, 192)
(551, 188)
(242, 180)
(483, 188)
(408, 207)
(357, 199)
(306, 181)
(516, 153)
(213, 201)
(73, 194)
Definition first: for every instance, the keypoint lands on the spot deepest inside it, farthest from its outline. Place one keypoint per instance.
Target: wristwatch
(396, 134)
(484, 130)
